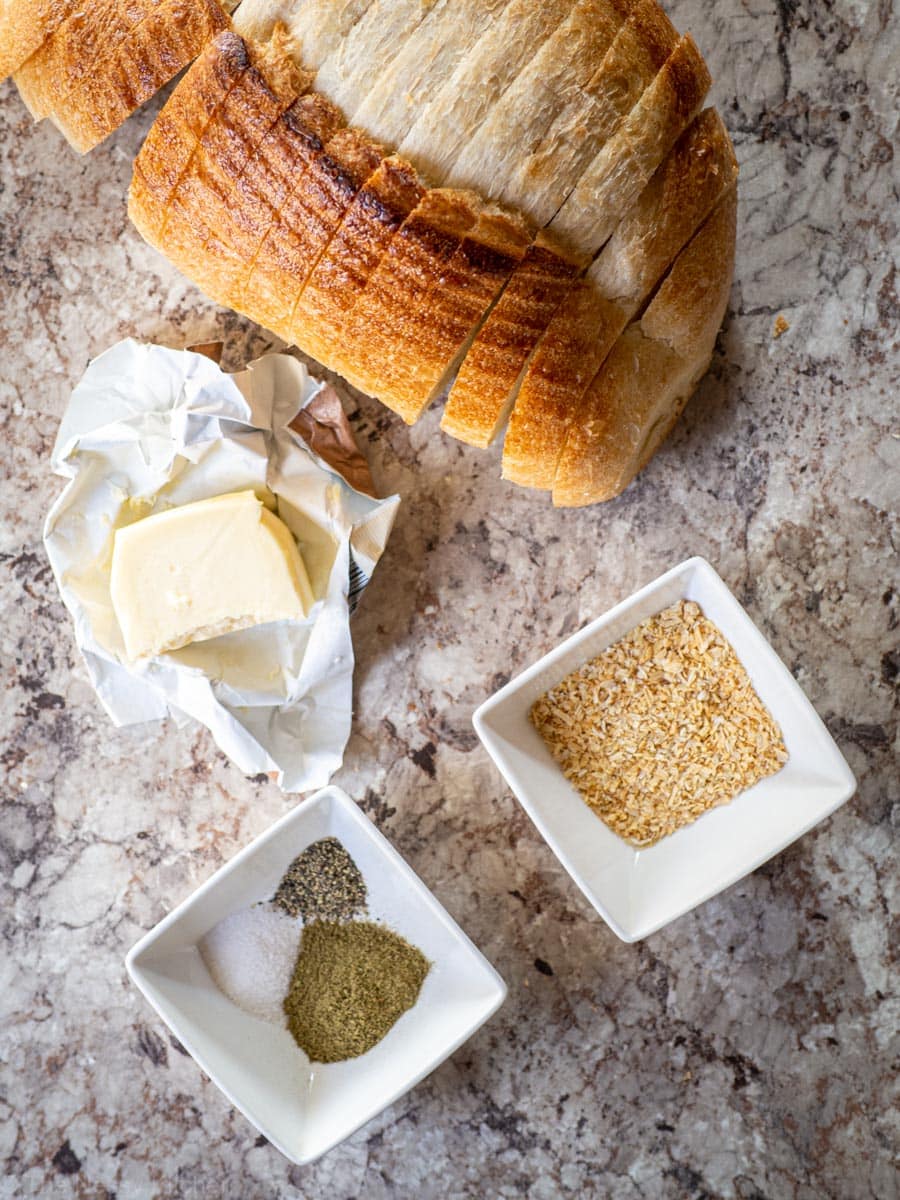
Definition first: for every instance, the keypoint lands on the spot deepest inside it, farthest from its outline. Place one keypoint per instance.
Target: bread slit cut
(550, 82)
(378, 210)
(694, 176)
(445, 126)
(487, 382)
(25, 25)
(612, 182)
(422, 65)
(356, 62)
(545, 174)
(173, 139)
(378, 331)
(305, 224)
(207, 228)
(645, 383)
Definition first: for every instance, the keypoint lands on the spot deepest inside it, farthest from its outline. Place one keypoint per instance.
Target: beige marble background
(750, 1049)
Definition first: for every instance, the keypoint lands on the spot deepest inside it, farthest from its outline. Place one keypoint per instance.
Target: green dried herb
(351, 983)
(322, 884)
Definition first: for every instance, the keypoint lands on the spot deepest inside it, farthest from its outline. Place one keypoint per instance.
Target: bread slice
(700, 168)
(547, 171)
(486, 386)
(551, 81)
(379, 332)
(356, 62)
(106, 61)
(422, 65)
(378, 210)
(271, 174)
(447, 123)
(73, 50)
(305, 224)
(437, 332)
(24, 27)
(206, 229)
(613, 181)
(319, 26)
(174, 136)
(653, 369)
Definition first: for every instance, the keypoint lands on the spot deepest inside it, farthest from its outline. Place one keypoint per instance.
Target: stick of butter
(204, 569)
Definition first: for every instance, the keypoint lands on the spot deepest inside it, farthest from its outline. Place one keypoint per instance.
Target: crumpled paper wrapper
(148, 428)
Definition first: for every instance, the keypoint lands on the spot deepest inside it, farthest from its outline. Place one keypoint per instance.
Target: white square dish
(637, 891)
(305, 1109)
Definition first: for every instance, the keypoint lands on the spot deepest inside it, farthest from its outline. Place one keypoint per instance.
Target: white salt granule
(251, 956)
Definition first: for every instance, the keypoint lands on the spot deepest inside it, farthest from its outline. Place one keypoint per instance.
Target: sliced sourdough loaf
(553, 79)
(613, 181)
(544, 176)
(105, 61)
(378, 210)
(422, 65)
(699, 169)
(654, 367)
(458, 108)
(485, 388)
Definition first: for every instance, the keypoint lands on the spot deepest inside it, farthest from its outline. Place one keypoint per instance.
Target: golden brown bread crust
(24, 27)
(170, 145)
(205, 227)
(379, 209)
(577, 340)
(106, 61)
(695, 174)
(479, 400)
(650, 374)
(439, 331)
(383, 324)
(65, 58)
(692, 179)
(308, 218)
(613, 181)
(284, 154)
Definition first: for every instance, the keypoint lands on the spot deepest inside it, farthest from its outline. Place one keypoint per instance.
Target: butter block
(204, 569)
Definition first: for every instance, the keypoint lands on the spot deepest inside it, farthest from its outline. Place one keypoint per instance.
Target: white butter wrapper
(148, 428)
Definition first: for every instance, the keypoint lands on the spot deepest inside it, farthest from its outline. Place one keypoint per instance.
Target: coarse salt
(251, 955)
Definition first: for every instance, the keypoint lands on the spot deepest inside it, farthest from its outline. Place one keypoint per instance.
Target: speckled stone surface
(748, 1050)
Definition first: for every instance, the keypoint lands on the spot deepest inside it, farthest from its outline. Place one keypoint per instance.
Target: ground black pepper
(322, 884)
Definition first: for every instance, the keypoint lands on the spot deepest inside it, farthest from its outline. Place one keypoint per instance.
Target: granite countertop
(749, 1049)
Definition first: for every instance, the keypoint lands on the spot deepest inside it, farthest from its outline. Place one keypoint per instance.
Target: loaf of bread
(502, 200)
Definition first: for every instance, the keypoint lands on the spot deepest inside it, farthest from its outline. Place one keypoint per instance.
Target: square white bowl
(305, 1109)
(638, 891)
